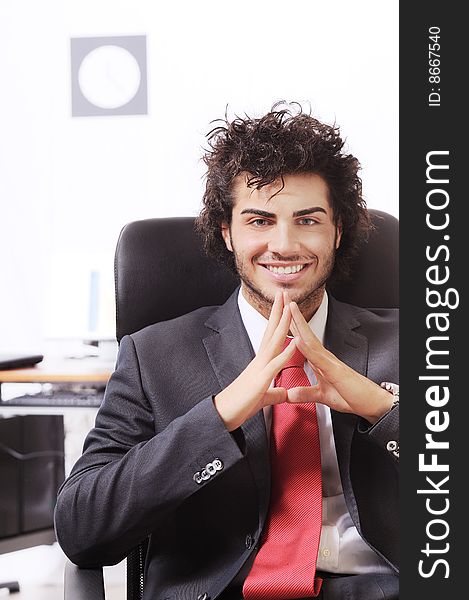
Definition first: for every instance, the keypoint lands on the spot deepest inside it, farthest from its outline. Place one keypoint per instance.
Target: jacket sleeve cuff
(385, 432)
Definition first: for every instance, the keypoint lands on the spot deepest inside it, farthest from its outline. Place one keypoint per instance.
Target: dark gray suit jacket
(160, 462)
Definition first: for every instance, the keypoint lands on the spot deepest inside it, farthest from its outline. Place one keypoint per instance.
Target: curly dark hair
(285, 141)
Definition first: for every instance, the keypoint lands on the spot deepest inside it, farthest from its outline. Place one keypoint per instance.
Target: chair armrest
(83, 584)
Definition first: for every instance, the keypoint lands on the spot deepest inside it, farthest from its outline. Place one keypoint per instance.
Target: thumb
(275, 395)
(303, 394)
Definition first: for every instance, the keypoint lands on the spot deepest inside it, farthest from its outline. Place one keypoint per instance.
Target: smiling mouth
(285, 270)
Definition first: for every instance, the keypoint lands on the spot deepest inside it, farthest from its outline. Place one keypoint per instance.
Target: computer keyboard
(88, 398)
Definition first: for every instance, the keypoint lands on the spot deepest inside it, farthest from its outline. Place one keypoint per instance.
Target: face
(283, 242)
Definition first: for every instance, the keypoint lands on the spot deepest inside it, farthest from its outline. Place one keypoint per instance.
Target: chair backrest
(161, 272)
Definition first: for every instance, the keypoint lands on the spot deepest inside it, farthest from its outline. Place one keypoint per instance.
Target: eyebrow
(269, 215)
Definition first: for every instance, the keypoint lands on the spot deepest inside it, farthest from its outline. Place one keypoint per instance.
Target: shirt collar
(255, 323)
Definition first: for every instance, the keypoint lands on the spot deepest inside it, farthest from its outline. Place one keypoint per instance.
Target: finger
(275, 395)
(280, 334)
(299, 395)
(274, 346)
(279, 360)
(302, 326)
(318, 374)
(312, 354)
(276, 310)
(274, 318)
(294, 328)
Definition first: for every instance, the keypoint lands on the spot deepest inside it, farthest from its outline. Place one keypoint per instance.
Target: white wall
(68, 185)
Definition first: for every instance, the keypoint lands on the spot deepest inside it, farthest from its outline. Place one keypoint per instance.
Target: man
(252, 482)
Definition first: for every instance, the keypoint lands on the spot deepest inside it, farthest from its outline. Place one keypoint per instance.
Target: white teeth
(285, 270)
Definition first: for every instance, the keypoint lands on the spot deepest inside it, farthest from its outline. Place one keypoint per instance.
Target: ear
(225, 232)
(338, 234)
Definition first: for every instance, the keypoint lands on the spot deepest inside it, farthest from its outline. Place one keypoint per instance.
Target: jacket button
(204, 596)
(210, 468)
(217, 463)
(249, 541)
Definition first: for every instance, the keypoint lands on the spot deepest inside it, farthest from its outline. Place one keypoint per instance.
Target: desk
(70, 370)
(79, 371)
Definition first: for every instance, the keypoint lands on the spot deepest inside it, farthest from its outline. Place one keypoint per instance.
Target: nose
(284, 240)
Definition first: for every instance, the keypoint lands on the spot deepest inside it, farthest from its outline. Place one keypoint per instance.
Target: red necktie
(285, 565)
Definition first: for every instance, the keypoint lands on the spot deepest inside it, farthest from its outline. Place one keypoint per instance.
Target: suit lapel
(230, 351)
(343, 340)
(227, 343)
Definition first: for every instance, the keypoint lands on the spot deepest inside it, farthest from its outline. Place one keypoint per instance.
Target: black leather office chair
(161, 272)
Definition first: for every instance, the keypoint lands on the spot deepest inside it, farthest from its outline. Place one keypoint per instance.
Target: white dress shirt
(341, 549)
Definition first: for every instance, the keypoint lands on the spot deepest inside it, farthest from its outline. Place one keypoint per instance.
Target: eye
(307, 221)
(259, 222)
